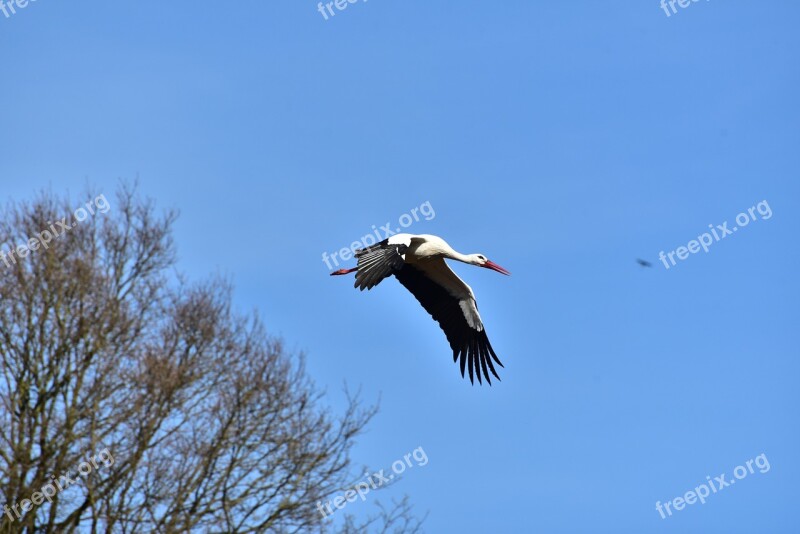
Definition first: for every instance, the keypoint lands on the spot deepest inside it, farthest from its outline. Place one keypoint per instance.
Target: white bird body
(425, 246)
(418, 262)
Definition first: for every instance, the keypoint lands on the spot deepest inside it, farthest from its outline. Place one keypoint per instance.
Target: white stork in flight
(417, 261)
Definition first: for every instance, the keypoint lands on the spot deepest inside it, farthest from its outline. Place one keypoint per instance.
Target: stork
(417, 261)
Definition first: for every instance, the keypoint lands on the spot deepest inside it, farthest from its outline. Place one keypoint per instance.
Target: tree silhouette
(190, 417)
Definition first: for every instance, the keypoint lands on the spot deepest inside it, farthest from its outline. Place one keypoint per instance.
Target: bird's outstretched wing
(379, 261)
(452, 304)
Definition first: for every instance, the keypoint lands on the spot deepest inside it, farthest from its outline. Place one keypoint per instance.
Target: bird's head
(481, 261)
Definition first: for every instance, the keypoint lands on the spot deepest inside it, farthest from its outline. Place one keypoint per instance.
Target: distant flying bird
(643, 263)
(417, 261)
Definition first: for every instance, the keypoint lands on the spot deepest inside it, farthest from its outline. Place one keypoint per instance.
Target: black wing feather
(377, 262)
(470, 345)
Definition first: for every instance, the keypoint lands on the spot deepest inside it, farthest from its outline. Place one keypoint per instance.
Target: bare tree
(396, 519)
(203, 422)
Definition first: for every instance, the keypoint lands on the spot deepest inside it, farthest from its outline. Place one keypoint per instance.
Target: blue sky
(562, 140)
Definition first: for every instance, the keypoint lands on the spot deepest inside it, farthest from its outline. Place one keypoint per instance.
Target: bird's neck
(465, 258)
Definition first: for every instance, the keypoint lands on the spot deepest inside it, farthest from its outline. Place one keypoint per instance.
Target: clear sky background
(561, 139)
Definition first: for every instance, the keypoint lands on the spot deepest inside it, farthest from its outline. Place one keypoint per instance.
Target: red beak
(493, 266)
